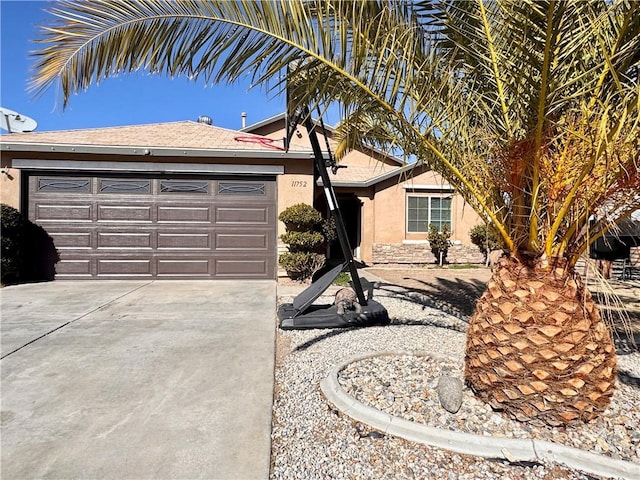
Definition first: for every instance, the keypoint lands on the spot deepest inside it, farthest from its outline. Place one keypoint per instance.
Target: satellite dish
(15, 122)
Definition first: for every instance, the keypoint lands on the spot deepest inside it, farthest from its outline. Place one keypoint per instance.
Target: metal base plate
(326, 316)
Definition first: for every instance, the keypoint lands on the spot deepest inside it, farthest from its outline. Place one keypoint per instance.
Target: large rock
(449, 391)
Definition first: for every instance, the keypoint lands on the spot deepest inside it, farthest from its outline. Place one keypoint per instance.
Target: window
(184, 186)
(228, 188)
(124, 186)
(64, 184)
(423, 211)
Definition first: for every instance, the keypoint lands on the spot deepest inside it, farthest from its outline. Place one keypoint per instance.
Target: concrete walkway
(135, 380)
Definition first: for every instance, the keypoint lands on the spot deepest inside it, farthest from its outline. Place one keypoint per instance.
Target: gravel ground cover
(312, 440)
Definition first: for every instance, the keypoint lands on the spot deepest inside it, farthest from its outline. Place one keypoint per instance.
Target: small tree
(485, 238)
(439, 242)
(304, 241)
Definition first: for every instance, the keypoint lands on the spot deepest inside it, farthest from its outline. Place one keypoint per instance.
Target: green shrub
(303, 241)
(28, 252)
(342, 280)
(300, 217)
(10, 237)
(485, 238)
(439, 242)
(329, 230)
(301, 265)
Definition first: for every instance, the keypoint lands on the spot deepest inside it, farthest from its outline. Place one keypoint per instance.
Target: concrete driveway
(137, 379)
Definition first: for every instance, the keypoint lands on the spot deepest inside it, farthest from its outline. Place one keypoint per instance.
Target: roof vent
(205, 119)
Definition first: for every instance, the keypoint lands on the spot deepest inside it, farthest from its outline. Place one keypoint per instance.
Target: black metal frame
(301, 314)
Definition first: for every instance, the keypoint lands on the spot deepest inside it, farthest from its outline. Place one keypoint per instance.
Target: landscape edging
(510, 449)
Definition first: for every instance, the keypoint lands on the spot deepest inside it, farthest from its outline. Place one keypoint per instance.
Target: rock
(449, 391)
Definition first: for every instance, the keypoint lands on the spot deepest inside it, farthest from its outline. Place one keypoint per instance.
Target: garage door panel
(124, 266)
(247, 267)
(71, 240)
(45, 212)
(125, 240)
(184, 214)
(184, 240)
(242, 241)
(184, 267)
(74, 268)
(125, 213)
(242, 215)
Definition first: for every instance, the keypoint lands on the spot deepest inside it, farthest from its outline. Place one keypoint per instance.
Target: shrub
(303, 241)
(28, 252)
(329, 230)
(301, 265)
(342, 280)
(439, 242)
(10, 237)
(485, 238)
(300, 217)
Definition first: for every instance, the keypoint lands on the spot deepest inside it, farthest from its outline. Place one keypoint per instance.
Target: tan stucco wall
(295, 186)
(466, 218)
(10, 187)
(383, 221)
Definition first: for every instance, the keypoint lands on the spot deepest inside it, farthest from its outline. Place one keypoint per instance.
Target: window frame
(56, 184)
(430, 196)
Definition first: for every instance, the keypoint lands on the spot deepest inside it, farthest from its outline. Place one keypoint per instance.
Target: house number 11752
(299, 183)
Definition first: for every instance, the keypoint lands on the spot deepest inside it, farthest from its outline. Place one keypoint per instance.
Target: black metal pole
(334, 208)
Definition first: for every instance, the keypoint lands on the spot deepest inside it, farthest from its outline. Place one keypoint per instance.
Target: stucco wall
(10, 187)
(388, 238)
(295, 186)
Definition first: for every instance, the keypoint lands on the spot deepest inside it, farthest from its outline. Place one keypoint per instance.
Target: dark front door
(350, 207)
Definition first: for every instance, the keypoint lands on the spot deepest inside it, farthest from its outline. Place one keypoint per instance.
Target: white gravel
(310, 440)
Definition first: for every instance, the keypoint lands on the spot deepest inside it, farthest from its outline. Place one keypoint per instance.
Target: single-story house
(192, 200)
(387, 205)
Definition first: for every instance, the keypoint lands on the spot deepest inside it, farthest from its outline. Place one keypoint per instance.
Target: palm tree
(528, 108)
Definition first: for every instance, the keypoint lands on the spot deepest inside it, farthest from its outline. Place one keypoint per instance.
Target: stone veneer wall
(420, 253)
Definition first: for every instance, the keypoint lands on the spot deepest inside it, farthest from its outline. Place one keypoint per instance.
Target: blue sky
(126, 100)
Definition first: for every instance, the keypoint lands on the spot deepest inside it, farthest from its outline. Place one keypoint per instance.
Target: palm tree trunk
(537, 346)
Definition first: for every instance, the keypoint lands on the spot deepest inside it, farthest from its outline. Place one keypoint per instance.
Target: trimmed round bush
(301, 265)
(303, 241)
(485, 238)
(300, 217)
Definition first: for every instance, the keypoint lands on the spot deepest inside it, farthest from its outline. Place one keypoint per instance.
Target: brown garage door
(130, 227)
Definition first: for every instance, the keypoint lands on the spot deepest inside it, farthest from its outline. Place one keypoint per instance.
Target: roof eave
(371, 181)
(151, 151)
